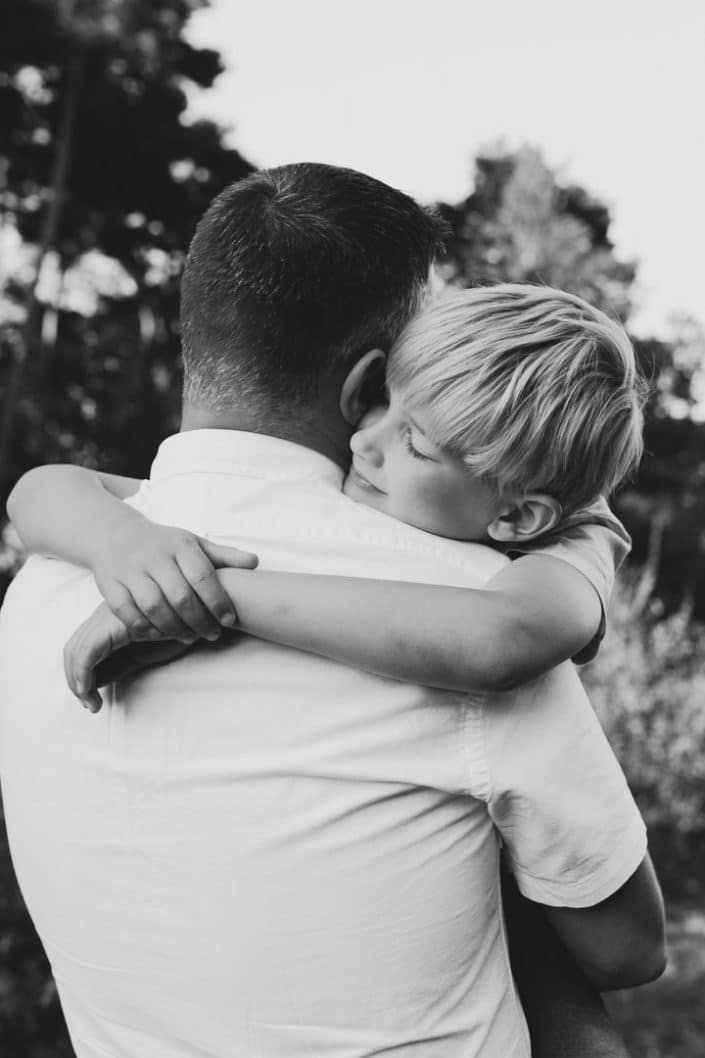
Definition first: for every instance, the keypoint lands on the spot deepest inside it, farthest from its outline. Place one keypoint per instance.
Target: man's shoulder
(313, 527)
(380, 530)
(367, 543)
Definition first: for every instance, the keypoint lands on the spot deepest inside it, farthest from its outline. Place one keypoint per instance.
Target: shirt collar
(244, 454)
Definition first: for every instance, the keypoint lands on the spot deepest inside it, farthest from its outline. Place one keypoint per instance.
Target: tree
(98, 164)
(520, 225)
(665, 507)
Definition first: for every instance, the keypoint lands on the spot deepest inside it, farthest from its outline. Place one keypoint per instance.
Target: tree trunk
(29, 336)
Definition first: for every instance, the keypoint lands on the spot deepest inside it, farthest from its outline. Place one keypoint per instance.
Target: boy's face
(397, 469)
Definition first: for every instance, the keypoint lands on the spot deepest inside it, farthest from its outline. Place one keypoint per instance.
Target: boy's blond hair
(532, 387)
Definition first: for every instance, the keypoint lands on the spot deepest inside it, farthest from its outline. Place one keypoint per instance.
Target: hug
(338, 789)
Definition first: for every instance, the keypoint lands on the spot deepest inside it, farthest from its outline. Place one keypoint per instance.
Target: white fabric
(258, 853)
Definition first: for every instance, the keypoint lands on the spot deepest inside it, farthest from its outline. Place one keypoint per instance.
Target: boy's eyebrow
(415, 425)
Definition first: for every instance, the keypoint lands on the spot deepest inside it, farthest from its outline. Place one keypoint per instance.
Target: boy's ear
(363, 386)
(525, 518)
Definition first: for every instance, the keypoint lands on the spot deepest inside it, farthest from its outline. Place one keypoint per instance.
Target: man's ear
(525, 518)
(363, 386)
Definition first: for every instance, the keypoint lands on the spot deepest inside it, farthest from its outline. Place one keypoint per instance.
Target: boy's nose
(366, 443)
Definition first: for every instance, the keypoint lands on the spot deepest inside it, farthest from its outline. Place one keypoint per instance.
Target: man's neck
(330, 440)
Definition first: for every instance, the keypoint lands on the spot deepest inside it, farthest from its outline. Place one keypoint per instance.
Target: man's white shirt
(259, 853)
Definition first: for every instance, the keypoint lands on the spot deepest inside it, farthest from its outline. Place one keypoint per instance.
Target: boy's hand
(161, 582)
(100, 651)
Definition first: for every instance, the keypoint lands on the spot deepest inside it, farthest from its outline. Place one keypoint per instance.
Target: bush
(648, 687)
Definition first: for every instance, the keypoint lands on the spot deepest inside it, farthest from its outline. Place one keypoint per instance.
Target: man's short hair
(292, 274)
(532, 387)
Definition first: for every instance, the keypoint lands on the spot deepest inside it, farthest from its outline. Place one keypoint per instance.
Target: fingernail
(81, 687)
(213, 637)
(228, 619)
(154, 634)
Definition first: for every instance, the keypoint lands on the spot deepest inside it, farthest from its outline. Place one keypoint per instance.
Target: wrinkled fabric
(260, 853)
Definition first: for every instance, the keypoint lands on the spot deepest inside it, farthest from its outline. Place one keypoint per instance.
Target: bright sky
(613, 92)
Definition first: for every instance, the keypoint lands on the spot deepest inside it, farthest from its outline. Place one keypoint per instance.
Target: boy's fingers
(184, 599)
(92, 701)
(201, 576)
(95, 639)
(84, 658)
(69, 658)
(150, 597)
(124, 607)
(221, 555)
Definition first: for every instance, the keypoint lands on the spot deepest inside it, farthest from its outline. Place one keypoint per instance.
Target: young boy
(511, 409)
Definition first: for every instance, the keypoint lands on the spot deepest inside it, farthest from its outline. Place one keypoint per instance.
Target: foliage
(104, 182)
(666, 1019)
(666, 504)
(648, 687)
(520, 225)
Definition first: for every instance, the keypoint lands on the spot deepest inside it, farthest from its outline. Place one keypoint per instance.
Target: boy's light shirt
(593, 541)
(260, 852)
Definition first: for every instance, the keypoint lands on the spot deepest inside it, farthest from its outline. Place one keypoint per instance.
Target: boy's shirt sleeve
(593, 541)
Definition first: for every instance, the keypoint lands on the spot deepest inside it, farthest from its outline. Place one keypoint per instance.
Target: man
(261, 852)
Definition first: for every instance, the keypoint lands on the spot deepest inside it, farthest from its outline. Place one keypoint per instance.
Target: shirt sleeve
(593, 541)
(557, 794)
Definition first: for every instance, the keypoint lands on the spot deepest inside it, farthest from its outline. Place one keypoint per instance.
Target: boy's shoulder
(595, 514)
(594, 530)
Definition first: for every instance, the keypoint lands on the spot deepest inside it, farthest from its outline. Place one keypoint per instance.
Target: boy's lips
(362, 482)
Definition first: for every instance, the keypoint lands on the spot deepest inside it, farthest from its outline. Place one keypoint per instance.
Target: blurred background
(563, 146)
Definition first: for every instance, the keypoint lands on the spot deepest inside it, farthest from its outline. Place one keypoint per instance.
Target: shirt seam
(478, 783)
(243, 471)
(398, 542)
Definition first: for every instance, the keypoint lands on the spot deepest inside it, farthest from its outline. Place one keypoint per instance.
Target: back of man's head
(294, 273)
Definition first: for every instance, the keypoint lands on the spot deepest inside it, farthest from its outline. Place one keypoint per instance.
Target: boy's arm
(458, 639)
(68, 511)
(157, 579)
(534, 614)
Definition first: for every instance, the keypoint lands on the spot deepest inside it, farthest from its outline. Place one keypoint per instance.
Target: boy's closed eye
(407, 437)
